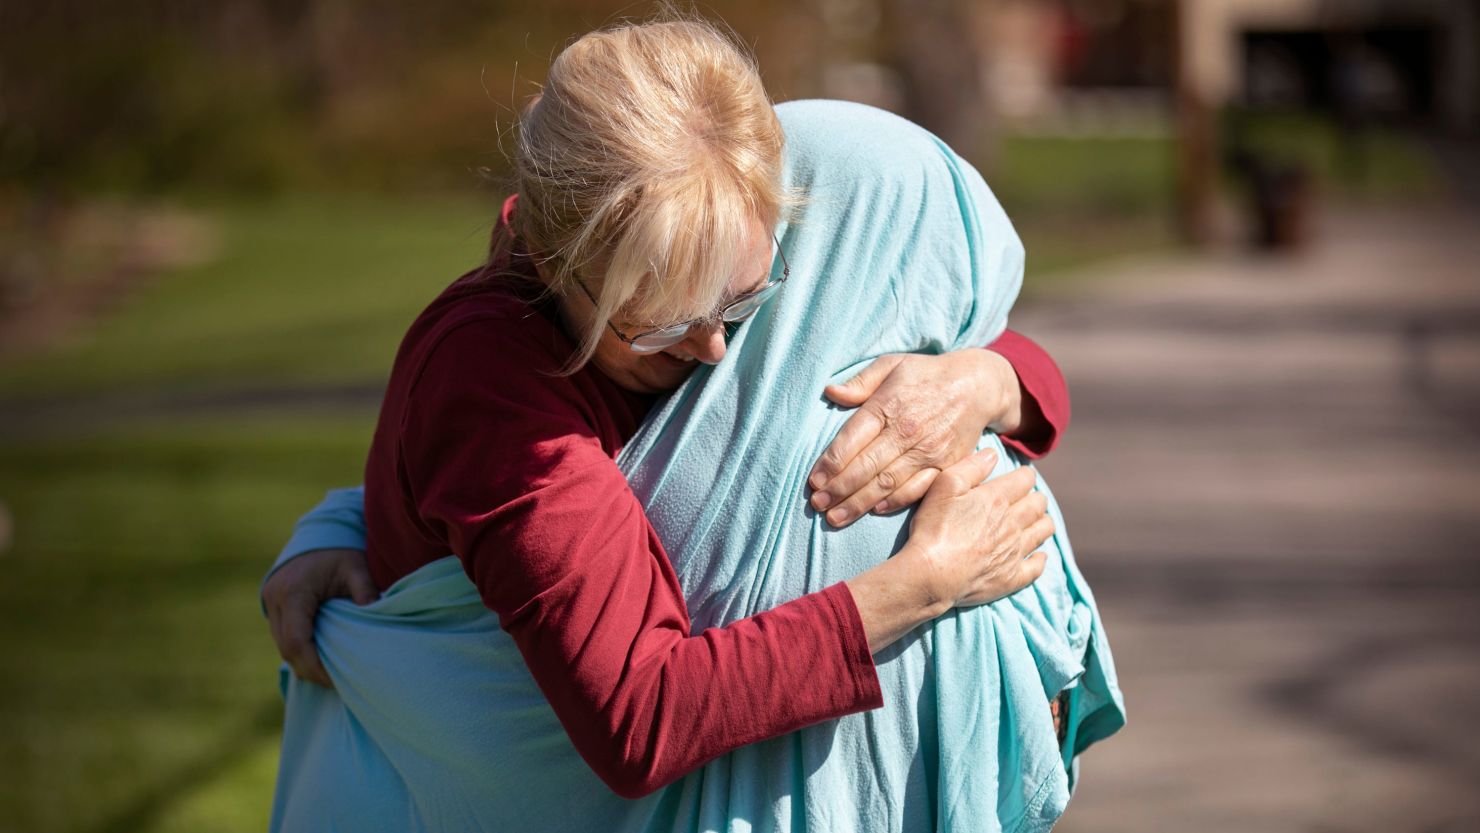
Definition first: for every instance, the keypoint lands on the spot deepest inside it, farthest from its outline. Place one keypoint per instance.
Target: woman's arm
(507, 466)
(891, 600)
(562, 552)
(918, 414)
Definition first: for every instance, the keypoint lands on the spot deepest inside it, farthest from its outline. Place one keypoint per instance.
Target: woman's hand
(294, 593)
(979, 538)
(971, 542)
(916, 415)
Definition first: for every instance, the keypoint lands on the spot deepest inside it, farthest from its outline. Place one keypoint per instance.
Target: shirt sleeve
(514, 475)
(338, 522)
(1045, 393)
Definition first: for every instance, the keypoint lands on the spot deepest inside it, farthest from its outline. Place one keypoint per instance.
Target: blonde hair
(640, 168)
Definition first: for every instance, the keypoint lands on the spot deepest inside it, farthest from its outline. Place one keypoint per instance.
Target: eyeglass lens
(746, 307)
(658, 340)
(652, 342)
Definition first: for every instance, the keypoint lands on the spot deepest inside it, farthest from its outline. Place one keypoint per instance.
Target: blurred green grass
(1039, 175)
(1076, 201)
(1079, 200)
(1375, 163)
(137, 680)
(136, 676)
(304, 290)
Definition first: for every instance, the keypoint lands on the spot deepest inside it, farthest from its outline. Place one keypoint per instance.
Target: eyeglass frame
(691, 323)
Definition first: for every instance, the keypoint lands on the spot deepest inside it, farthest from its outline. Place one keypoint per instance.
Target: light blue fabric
(436, 723)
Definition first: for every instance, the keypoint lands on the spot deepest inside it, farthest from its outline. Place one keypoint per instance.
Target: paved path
(1273, 482)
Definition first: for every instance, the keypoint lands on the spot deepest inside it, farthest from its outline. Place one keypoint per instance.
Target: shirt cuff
(1044, 391)
(866, 691)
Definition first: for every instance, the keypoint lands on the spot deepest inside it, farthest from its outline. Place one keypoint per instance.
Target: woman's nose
(707, 344)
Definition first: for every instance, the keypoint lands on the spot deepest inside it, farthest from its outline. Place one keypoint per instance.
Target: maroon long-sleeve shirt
(483, 450)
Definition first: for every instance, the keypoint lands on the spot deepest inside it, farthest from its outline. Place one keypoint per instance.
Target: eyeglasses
(651, 341)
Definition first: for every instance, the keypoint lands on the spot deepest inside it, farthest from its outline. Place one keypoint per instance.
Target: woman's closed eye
(721, 312)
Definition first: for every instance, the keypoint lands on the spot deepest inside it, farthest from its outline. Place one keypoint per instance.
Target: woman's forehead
(648, 307)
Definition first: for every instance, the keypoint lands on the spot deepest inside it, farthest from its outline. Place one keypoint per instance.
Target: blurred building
(1107, 65)
(1062, 67)
(1413, 61)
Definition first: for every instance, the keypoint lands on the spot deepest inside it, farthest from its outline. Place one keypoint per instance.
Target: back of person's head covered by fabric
(899, 247)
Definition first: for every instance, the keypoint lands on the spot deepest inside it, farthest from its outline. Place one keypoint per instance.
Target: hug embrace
(704, 504)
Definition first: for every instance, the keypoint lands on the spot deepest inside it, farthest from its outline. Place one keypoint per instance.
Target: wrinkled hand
(979, 538)
(294, 594)
(917, 414)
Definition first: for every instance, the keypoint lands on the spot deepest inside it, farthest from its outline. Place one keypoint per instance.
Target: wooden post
(1196, 137)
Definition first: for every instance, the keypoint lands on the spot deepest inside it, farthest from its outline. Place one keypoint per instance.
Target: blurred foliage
(144, 96)
(150, 96)
(138, 114)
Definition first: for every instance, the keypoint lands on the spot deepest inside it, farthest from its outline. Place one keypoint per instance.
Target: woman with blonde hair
(524, 493)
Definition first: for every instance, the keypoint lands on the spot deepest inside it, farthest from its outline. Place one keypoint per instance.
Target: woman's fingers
(860, 429)
(857, 390)
(914, 412)
(872, 476)
(1011, 487)
(1024, 510)
(292, 630)
(859, 432)
(1025, 572)
(292, 597)
(1029, 569)
(354, 581)
(293, 594)
(1036, 535)
(909, 494)
(1027, 509)
(967, 474)
(977, 534)
(1030, 515)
